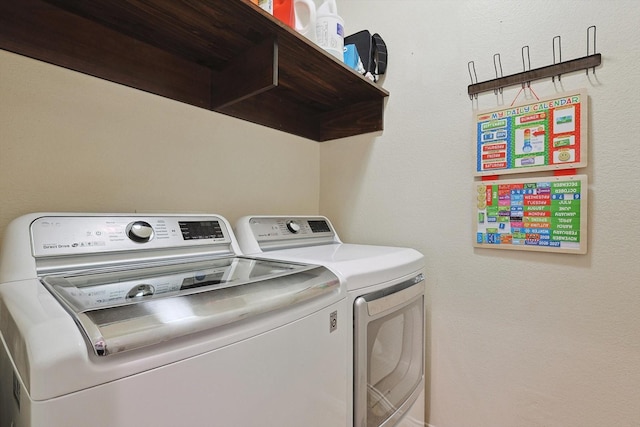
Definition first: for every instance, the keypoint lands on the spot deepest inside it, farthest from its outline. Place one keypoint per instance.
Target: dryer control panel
(262, 233)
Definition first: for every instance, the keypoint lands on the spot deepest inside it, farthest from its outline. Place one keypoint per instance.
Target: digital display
(197, 282)
(195, 230)
(319, 226)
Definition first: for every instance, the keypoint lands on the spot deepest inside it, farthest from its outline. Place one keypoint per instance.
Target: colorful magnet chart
(537, 214)
(548, 134)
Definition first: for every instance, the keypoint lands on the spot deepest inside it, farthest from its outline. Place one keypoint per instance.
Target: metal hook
(495, 67)
(594, 45)
(559, 54)
(526, 66)
(474, 76)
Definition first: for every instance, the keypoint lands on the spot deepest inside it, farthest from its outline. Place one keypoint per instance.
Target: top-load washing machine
(386, 310)
(139, 320)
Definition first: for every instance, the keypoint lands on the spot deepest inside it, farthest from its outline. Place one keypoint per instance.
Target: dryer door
(388, 353)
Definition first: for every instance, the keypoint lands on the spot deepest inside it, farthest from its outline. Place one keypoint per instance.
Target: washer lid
(123, 310)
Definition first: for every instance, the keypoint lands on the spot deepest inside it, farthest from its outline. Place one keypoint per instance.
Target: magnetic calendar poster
(545, 135)
(540, 214)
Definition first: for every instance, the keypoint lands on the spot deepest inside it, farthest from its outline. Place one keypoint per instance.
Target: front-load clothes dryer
(136, 320)
(386, 292)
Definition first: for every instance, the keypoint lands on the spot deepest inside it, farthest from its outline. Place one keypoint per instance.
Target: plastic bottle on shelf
(297, 14)
(305, 18)
(330, 29)
(283, 10)
(266, 5)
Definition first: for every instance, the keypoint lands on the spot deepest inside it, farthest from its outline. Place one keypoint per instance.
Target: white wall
(71, 142)
(516, 339)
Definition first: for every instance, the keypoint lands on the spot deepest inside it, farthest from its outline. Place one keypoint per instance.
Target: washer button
(140, 231)
(293, 226)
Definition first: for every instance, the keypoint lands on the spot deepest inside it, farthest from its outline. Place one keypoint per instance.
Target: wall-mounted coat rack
(592, 60)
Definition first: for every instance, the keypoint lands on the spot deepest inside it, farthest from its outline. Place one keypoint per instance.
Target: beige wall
(516, 339)
(71, 142)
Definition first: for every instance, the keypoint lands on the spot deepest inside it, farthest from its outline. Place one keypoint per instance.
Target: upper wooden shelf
(228, 56)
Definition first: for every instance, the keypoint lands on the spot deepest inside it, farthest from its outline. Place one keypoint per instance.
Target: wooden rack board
(565, 67)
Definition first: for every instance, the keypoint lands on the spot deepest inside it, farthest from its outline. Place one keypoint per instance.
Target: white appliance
(386, 304)
(139, 320)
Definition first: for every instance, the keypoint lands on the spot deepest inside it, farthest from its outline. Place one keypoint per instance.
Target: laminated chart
(538, 214)
(547, 134)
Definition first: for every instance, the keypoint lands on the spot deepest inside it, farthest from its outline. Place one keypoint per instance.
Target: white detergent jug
(305, 18)
(330, 29)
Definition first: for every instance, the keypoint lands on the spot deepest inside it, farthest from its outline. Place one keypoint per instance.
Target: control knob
(140, 231)
(142, 290)
(293, 226)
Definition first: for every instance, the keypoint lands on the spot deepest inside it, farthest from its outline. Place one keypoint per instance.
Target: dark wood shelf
(227, 56)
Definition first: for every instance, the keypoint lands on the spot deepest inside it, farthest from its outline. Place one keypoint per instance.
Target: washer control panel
(78, 235)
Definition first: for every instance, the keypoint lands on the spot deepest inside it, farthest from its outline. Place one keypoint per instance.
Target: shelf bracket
(248, 74)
